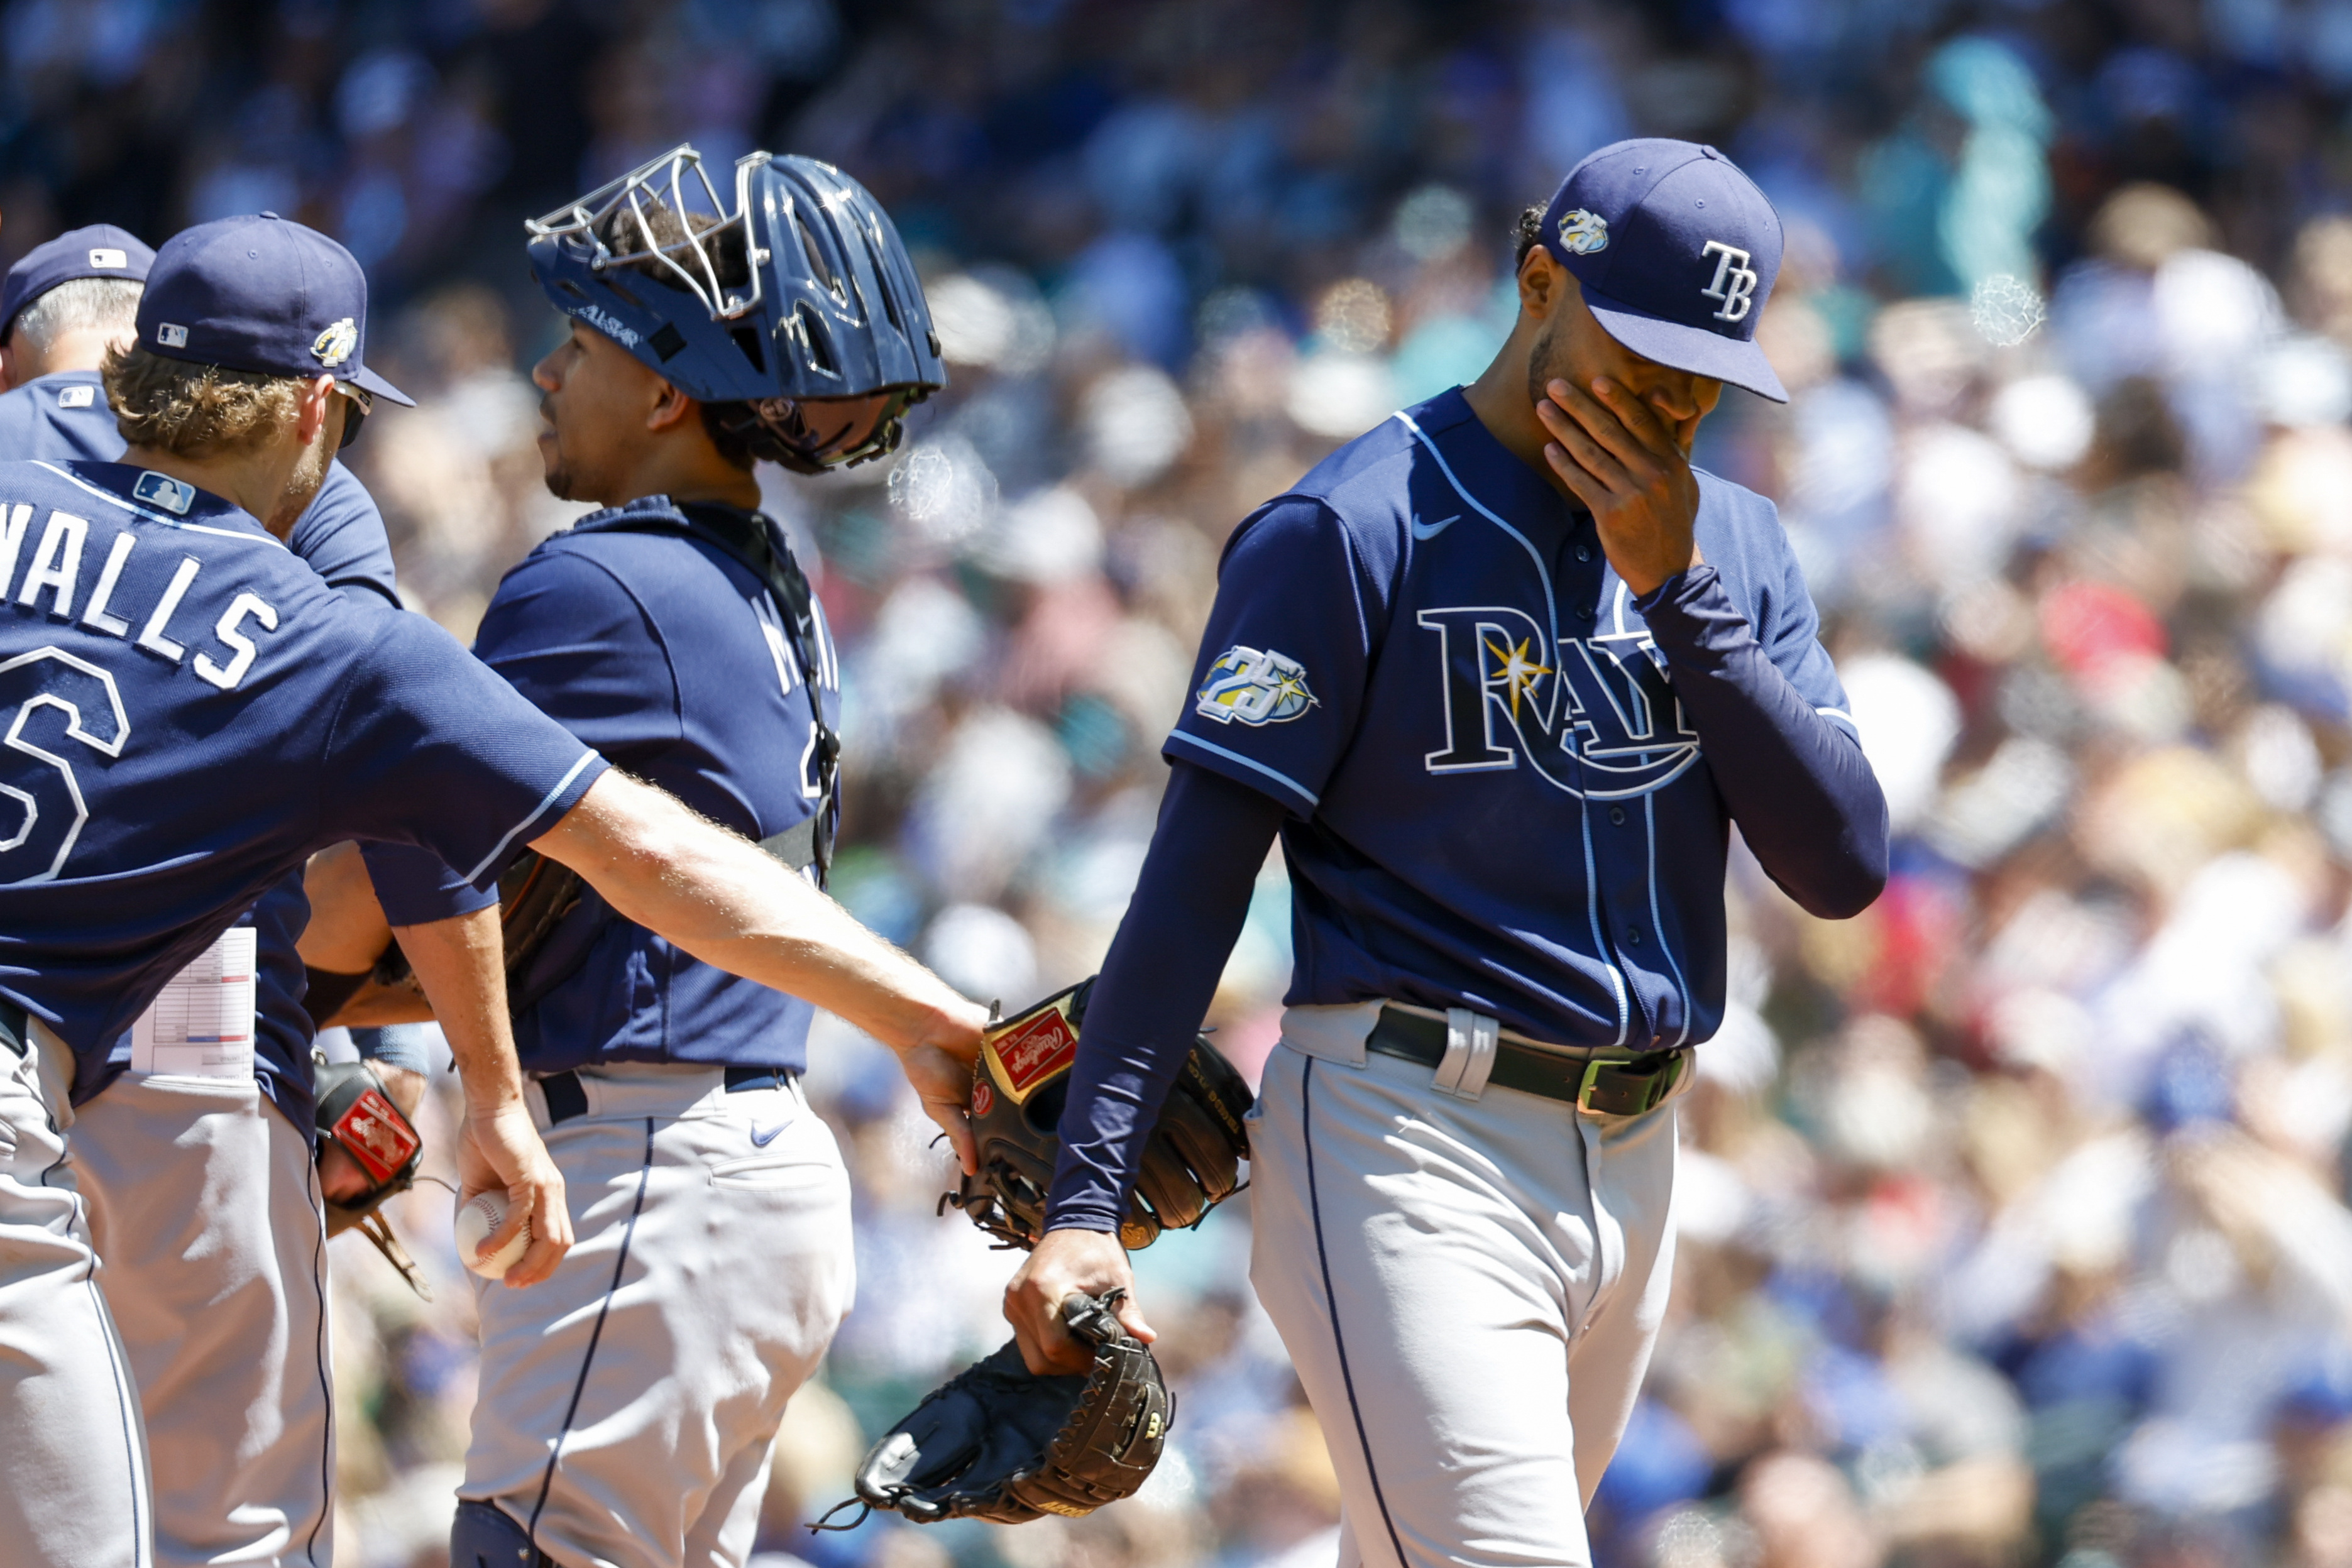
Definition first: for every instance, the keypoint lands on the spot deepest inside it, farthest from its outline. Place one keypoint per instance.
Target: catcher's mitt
(999, 1442)
(354, 1111)
(1191, 1163)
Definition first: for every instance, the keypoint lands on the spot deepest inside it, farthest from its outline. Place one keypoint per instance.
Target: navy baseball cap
(260, 293)
(1675, 250)
(101, 250)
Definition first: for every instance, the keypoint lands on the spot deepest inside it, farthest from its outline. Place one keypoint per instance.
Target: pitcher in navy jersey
(1501, 673)
(187, 713)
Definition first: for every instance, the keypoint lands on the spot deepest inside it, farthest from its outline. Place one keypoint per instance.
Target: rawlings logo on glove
(1191, 1161)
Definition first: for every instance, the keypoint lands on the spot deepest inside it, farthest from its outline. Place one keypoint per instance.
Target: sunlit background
(2011, 1214)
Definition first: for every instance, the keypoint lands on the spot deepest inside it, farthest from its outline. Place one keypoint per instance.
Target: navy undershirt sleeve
(1796, 782)
(1156, 986)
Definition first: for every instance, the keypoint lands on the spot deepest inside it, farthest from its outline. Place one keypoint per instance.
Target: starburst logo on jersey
(1515, 670)
(334, 345)
(1252, 687)
(1582, 232)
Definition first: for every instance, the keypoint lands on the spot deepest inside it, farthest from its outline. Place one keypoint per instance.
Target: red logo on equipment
(983, 1097)
(1036, 1050)
(377, 1135)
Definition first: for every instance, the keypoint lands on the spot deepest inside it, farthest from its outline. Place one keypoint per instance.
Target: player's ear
(1541, 281)
(671, 408)
(311, 415)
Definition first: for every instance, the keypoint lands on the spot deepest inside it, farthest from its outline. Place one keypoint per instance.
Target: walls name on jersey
(1595, 716)
(54, 571)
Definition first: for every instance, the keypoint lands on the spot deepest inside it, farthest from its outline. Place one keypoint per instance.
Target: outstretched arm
(721, 898)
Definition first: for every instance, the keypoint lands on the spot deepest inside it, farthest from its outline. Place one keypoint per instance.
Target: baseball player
(198, 1182)
(190, 712)
(1502, 674)
(628, 1407)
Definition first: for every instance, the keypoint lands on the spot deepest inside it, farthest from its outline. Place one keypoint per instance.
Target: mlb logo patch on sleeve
(77, 397)
(1254, 687)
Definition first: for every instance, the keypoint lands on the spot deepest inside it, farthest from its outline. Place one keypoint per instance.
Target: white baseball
(479, 1217)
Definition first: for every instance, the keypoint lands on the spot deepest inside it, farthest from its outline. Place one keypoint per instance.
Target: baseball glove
(356, 1112)
(998, 1442)
(1191, 1163)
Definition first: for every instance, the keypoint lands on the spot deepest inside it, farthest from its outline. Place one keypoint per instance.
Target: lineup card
(201, 1026)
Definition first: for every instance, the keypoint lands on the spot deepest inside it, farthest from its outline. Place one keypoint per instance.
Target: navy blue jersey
(1501, 781)
(1499, 799)
(191, 712)
(666, 653)
(340, 535)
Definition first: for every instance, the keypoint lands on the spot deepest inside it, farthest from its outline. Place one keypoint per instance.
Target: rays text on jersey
(1595, 716)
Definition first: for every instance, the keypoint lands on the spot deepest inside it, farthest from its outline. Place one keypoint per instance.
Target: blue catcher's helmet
(801, 290)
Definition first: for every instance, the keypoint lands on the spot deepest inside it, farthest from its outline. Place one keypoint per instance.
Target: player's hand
(1068, 1262)
(340, 1180)
(1620, 457)
(939, 1068)
(499, 1151)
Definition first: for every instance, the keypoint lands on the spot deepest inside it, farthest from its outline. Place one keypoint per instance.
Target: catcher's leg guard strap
(484, 1537)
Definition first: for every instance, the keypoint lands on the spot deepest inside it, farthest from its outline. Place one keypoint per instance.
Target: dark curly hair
(1527, 236)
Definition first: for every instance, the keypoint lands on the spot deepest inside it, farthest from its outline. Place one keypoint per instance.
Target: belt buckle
(1655, 1087)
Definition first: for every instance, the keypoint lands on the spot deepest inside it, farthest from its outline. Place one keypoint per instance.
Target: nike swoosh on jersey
(760, 1140)
(1422, 530)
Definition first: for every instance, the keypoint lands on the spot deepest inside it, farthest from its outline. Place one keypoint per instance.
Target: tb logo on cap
(1735, 281)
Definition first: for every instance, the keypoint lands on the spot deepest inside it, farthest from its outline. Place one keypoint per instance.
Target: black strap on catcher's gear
(999, 1442)
(354, 1111)
(1191, 1160)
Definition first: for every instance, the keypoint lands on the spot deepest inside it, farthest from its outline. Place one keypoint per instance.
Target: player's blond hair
(196, 411)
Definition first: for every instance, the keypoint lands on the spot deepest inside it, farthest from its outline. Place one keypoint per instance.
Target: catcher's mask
(799, 293)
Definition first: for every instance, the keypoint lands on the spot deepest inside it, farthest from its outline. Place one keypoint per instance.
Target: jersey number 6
(41, 806)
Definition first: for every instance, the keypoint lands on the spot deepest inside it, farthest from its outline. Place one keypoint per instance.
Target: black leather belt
(15, 1032)
(568, 1097)
(1600, 1086)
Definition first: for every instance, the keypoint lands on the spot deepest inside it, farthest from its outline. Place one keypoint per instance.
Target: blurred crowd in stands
(2013, 1213)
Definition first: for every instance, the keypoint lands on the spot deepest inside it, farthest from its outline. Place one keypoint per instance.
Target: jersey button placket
(1617, 816)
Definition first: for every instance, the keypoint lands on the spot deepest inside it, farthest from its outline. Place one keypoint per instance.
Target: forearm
(1796, 782)
(460, 962)
(722, 899)
(1156, 986)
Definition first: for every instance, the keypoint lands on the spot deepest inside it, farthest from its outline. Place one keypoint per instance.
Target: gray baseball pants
(628, 1404)
(1469, 1291)
(204, 1205)
(74, 1491)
